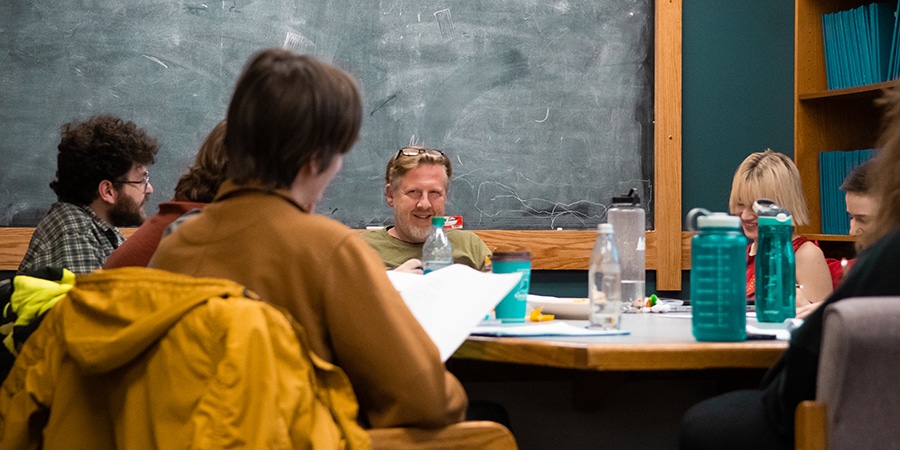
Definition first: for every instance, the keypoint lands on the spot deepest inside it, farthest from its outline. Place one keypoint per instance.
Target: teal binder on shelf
(834, 166)
(861, 45)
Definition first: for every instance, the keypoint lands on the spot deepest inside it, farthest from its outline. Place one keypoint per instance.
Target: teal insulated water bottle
(718, 277)
(775, 269)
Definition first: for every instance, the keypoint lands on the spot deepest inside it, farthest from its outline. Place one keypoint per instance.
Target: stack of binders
(861, 45)
(833, 168)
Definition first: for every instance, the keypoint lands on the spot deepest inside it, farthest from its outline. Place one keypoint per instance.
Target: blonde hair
(884, 184)
(401, 164)
(772, 176)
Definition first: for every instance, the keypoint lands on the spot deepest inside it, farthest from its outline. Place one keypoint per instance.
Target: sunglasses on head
(415, 151)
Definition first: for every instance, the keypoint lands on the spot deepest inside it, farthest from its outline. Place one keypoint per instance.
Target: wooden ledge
(551, 250)
(570, 249)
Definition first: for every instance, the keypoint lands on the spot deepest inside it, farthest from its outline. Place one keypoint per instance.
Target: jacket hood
(112, 316)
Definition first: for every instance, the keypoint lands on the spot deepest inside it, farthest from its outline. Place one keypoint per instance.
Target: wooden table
(657, 342)
(582, 388)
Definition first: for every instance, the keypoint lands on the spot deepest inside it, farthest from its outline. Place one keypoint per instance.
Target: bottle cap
(629, 199)
(719, 220)
(604, 228)
(437, 221)
(782, 219)
(766, 207)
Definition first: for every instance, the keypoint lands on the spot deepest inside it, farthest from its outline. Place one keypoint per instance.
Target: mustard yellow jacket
(332, 283)
(141, 358)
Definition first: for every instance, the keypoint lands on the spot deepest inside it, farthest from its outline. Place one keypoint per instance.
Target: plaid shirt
(73, 237)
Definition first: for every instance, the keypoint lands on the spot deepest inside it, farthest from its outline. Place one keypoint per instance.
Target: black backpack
(20, 333)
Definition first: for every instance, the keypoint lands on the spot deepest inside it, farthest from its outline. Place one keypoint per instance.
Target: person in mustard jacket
(290, 121)
(140, 358)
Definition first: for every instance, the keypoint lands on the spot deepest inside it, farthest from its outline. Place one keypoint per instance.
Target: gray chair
(858, 388)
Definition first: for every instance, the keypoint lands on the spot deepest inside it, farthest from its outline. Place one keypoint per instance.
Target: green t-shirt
(468, 248)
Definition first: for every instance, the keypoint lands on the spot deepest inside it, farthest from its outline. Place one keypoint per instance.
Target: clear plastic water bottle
(436, 252)
(718, 277)
(775, 263)
(627, 217)
(605, 281)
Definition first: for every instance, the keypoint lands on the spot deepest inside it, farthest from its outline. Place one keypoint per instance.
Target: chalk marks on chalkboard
(448, 101)
(382, 103)
(497, 200)
(156, 60)
(445, 23)
(296, 42)
(546, 107)
(292, 41)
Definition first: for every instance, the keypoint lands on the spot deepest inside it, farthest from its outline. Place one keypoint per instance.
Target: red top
(837, 272)
(751, 266)
(137, 249)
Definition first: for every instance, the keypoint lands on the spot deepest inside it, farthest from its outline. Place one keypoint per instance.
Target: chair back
(859, 367)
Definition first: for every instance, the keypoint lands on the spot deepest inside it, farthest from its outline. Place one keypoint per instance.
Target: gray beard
(420, 234)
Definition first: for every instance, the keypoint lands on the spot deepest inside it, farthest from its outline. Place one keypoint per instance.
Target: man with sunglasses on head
(417, 180)
(102, 182)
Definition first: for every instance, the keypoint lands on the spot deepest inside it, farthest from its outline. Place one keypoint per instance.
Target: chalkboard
(545, 108)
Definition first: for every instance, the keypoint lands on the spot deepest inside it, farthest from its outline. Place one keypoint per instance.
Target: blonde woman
(774, 176)
(764, 418)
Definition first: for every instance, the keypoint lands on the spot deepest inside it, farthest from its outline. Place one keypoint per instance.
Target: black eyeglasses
(145, 181)
(415, 151)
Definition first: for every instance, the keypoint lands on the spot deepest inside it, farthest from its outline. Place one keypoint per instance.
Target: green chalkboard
(544, 107)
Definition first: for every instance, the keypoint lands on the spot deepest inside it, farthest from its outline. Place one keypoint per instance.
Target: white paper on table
(781, 331)
(554, 328)
(780, 334)
(450, 302)
(778, 329)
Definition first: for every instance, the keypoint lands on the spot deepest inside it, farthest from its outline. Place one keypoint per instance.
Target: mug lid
(515, 255)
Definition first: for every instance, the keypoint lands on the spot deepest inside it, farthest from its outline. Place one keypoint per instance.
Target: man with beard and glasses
(193, 191)
(102, 183)
(416, 183)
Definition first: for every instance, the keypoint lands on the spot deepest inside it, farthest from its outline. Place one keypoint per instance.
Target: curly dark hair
(202, 179)
(103, 147)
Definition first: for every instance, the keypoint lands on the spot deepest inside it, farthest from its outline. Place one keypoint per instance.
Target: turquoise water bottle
(718, 277)
(775, 263)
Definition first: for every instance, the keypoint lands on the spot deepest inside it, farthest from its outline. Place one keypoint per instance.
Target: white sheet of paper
(450, 302)
(554, 328)
(781, 331)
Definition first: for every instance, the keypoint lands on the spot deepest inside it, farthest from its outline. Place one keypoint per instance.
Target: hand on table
(804, 305)
(414, 265)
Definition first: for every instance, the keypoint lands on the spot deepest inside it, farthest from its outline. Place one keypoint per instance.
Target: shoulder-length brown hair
(884, 182)
(288, 111)
(202, 180)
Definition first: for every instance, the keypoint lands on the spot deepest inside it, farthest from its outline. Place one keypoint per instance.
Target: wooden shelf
(826, 120)
(830, 237)
(856, 93)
